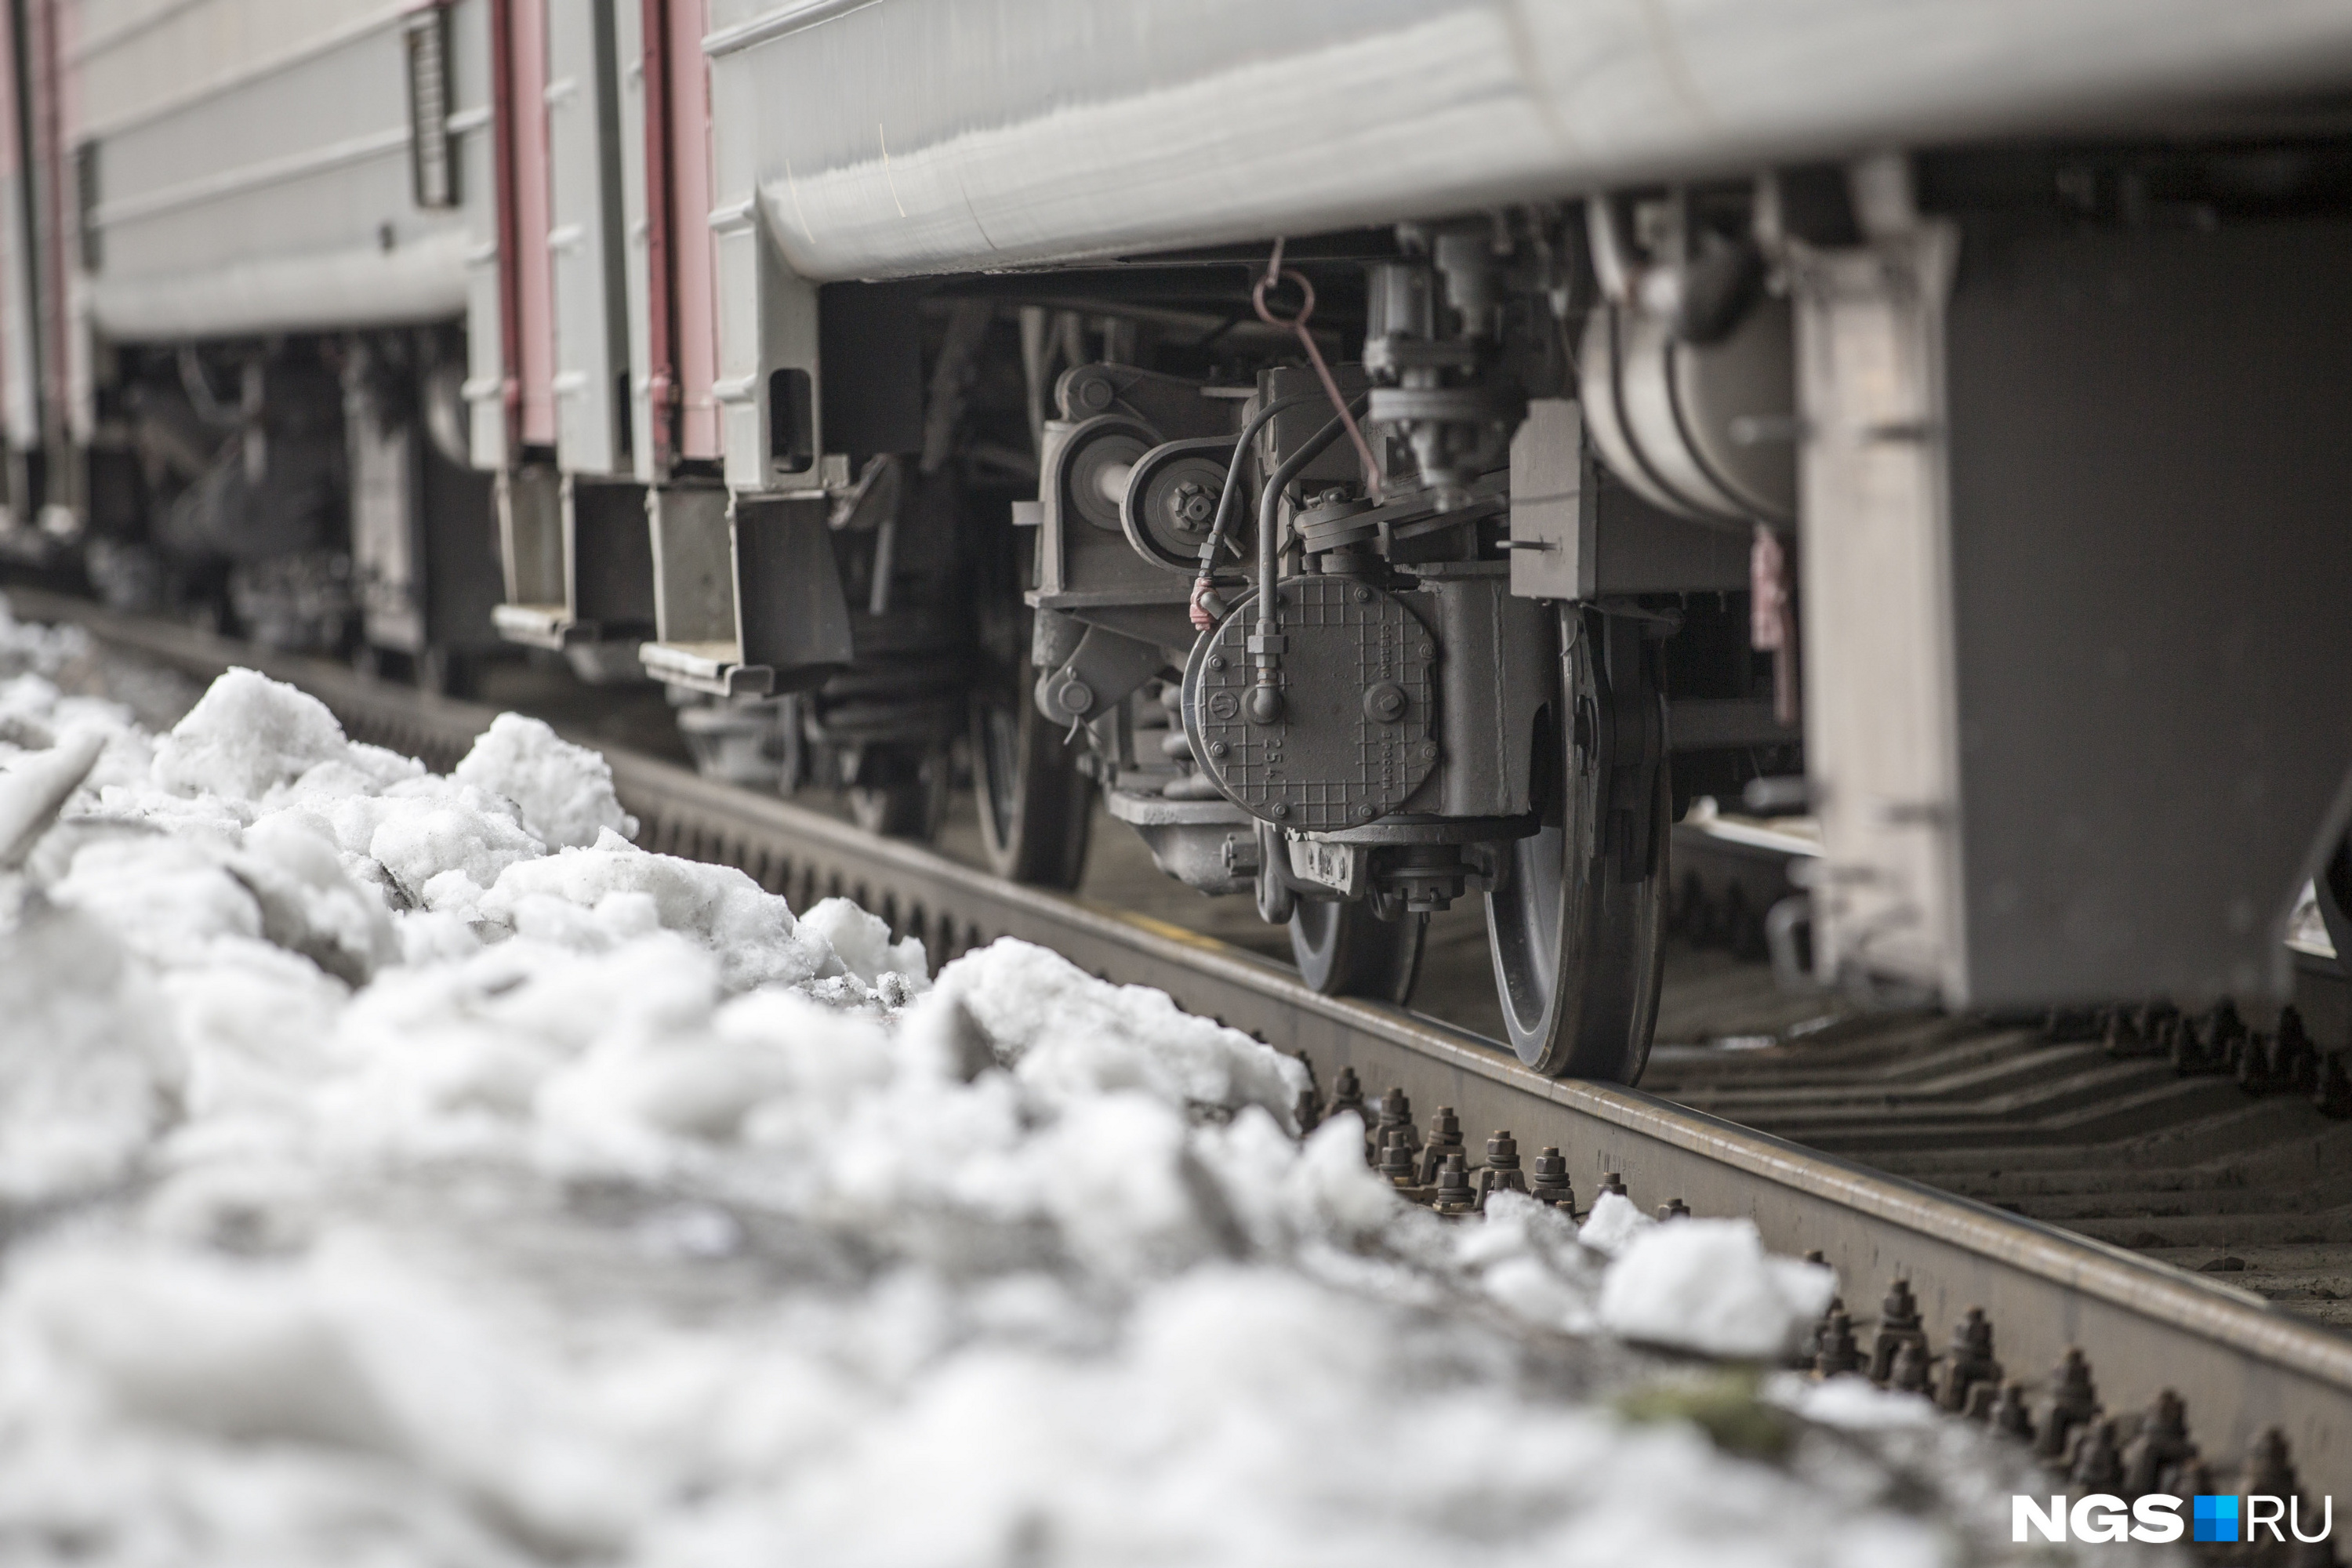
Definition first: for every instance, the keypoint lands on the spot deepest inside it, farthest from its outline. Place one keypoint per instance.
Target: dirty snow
(398, 1169)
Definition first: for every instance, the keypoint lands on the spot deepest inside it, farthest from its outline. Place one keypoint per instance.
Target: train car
(598, 392)
(1390, 455)
(1975, 354)
(253, 230)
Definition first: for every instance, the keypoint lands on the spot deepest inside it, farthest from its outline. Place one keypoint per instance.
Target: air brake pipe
(1265, 696)
(1232, 470)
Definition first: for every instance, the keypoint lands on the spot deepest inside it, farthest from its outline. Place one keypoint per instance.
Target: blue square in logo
(2215, 1518)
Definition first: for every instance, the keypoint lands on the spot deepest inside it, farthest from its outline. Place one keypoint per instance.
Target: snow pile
(1707, 1285)
(406, 1169)
(565, 792)
(1071, 1038)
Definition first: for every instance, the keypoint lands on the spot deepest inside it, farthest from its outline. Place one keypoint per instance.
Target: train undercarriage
(1367, 538)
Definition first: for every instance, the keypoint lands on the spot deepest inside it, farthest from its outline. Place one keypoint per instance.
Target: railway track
(1887, 1145)
(2215, 1143)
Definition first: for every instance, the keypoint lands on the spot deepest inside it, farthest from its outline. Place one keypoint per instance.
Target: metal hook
(1275, 273)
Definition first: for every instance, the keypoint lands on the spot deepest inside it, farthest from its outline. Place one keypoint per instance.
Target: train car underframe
(1545, 550)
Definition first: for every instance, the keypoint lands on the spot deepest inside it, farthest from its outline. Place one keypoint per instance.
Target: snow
(251, 734)
(1068, 1036)
(566, 791)
(1613, 1224)
(1707, 1285)
(398, 1169)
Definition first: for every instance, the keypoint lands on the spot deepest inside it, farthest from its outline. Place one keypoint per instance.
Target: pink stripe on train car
(533, 286)
(691, 261)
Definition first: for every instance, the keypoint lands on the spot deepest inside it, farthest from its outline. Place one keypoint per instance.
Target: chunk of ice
(1708, 1285)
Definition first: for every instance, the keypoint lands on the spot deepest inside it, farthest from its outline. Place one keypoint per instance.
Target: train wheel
(1035, 805)
(1577, 924)
(1345, 950)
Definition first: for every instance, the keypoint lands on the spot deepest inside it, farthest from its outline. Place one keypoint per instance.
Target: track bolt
(2115, 1032)
(1549, 1184)
(2176, 1040)
(1912, 1367)
(1397, 1162)
(1611, 1182)
(2158, 1449)
(1346, 1094)
(2072, 1400)
(2331, 1089)
(2147, 1019)
(2225, 1033)
(2011, 1415)
(2295, 1060)
(1501, 1173)
(1454, 1196)
(1836, 1353)
(1396, 1116)
(1970, 1362)
(2256, 1075)
(1674, 1208)
(2269, 1470)
(1444, 1138)
(1898, 1325)
(1810, 1344)
(2098, 1467)
(2143, 1031)
(1308, 1110)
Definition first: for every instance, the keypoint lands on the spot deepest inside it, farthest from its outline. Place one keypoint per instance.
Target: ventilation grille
(432, 160)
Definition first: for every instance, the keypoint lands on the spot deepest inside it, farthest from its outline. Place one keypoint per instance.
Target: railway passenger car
(1389, 454)
(242, 300)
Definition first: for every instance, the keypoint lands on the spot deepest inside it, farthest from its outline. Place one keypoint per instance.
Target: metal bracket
(1104, 671)
(1345, 869)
